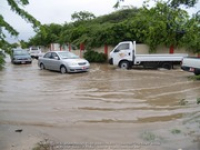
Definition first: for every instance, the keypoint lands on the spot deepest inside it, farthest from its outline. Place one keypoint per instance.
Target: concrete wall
(141, 49)
(144, 49)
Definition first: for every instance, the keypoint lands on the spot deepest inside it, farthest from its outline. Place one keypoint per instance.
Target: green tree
(47, 34)
(161, 25)
(5, 26)
(15, 7)
(82, 16)
(173, 3)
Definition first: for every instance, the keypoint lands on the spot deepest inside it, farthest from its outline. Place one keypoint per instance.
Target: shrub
(93, 56)
(195, 77)
(2, 61)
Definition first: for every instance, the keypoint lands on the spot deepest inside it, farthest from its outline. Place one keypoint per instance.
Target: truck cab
(123, 55)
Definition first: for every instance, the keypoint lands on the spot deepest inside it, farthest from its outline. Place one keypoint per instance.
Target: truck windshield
(123, 46)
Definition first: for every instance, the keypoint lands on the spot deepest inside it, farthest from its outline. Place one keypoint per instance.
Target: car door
(46, 60)
(55, 62)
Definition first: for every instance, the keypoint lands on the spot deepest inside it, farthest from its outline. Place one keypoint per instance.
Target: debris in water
(19, 130)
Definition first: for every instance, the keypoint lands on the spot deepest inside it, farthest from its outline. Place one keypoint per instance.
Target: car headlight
(72, 64)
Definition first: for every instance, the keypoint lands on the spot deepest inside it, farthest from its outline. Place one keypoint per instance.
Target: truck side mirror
(116, 50)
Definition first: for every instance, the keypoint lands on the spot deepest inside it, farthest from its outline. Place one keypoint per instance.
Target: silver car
(63, 61)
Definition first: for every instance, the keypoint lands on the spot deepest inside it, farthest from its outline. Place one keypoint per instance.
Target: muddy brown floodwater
(105, 108)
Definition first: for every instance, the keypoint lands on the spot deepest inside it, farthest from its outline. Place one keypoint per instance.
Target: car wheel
(63, 69)
(42, 66)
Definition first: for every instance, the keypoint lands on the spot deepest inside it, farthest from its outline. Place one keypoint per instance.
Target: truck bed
(159, 57)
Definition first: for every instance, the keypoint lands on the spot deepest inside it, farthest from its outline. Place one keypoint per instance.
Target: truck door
(122, 51)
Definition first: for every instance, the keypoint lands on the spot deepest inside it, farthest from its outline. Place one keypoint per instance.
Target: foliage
(14, 4)
(183, 102)
(188, 3)
(2, 61)
(5, 26)
(157, 26)
(165, 24)
(195, 77)
(82, 15)
(93, 56)
(4, 45)
(176, 131)
(47, 34)
(108, 29)
(43, 145)
(148, 136)
(161, 25)
(24, 44)
(198, 100)
(173, 3)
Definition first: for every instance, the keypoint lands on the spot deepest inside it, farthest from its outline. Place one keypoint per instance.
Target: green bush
(93, 56)
(195, 77)
(2, 61)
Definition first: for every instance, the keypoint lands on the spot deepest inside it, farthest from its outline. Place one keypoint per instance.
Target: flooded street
(105, 108)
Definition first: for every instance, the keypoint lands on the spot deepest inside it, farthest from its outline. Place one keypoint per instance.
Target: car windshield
(20, 52)
(67, 55)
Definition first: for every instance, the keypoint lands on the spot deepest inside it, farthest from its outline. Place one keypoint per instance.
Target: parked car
(35, 52)
(63, 61)
(20, 56)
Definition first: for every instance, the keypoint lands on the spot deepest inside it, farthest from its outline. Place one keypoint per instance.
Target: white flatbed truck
(125, 56)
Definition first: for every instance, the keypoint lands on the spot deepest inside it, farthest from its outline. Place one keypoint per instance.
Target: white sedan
(63, 61)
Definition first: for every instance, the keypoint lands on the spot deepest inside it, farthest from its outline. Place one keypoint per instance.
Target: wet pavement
(105, 108)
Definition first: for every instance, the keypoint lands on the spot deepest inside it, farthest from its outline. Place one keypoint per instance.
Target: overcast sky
(59, 11)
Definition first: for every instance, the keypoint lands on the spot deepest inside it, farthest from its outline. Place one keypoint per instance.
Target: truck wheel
(197, 72)
(124, 65)
(167, 66)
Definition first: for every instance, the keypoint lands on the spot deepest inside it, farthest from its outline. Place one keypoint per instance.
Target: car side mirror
(116, 50)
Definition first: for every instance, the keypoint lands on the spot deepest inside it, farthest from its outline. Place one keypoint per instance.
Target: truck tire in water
(197, 72)
(167, 65)
(124, 65)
